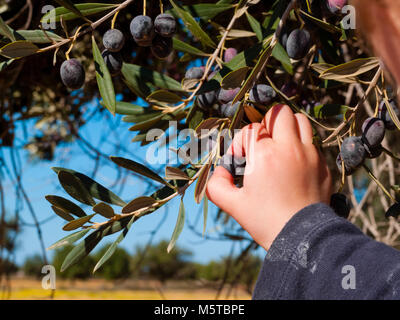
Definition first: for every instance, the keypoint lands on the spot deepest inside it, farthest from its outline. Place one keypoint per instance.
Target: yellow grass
(95, 289)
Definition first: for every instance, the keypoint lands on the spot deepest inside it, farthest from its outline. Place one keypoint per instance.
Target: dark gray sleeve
(319, 255)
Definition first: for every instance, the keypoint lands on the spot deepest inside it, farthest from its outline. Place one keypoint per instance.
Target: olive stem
(380, 185)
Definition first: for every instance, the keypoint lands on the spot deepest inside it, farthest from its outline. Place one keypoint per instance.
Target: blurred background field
(100, 289)
(147, 273)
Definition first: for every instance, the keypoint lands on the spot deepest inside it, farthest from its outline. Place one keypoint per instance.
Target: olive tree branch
(371, 86)
(91, 27)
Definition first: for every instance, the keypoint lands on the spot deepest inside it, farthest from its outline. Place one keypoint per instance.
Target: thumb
(222, 191)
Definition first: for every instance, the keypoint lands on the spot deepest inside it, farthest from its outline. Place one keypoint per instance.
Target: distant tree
(8, 233)
(82, 270)
(117, 267)
(33, 266)
(161, 265)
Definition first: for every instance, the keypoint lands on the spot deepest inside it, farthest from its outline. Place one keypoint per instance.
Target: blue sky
(39, 180)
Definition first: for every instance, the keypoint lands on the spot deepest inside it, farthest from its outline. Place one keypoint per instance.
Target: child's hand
(284, 173)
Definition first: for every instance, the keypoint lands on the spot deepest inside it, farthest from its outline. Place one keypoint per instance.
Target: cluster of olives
(221, 99)
(158, 36)
(355, 150)
(145, 34)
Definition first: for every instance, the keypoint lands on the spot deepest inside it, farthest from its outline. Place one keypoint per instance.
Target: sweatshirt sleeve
(319, 255)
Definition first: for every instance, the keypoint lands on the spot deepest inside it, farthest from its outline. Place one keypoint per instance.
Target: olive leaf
(71, 7)
(111, 249)
(82, 249)
(63, 214)
(138, 168)
(164, 96)
(95, 189)
(77, 223)
(324, 25)
(350, 69)
(201, 184)
(75, 188)
(205, 11)
(172, 173)
(255, 25)
(104, 209)
(127, 108)
(65, 205)
(193, 26)
(85, 9)
(19, 49)
(138, 203)
(235, 78)
(6, 30)
(103, 78)
(136, 75)
(69, 239)
(178, 226)
(280, 54)
(37, 36)
(185, 47)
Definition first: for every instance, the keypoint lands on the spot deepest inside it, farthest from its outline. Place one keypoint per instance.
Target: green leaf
(103, 78)
(85, 9)
(178, 227)
(37, 36)
(193, 26)
(75, 188)
(255, 26)
(18, 49)
(205, 11)
(138, 168)
(185, 47)
(82, 249)
(280, 54)
(195, 116)
(127, 108)
(324, 25)
(111, 249)
(96, 190)
(350, 69)
(90, 242)
(75, 224)
(145, 125)
(65, 205)
(147, 115)
(164, 96)
(5, 30)
(136, 75)
(71, 7)
(234, 78)
(63, 214)
(69, 239)
(138, 203)
(325, 111)
(104, 209)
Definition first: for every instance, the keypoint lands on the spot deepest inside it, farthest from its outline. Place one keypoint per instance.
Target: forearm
(309, 256)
